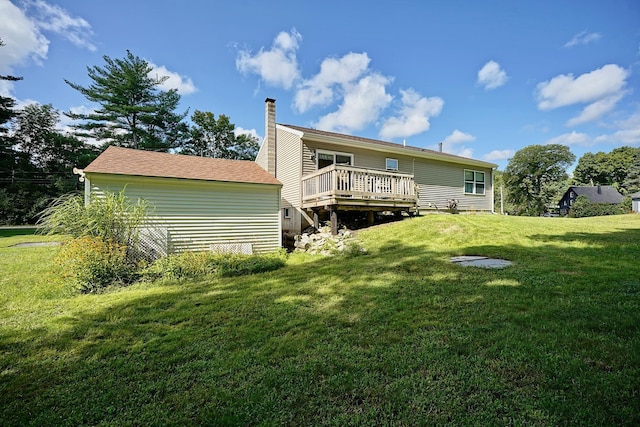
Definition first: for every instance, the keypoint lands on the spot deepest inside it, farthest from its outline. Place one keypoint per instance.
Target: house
(635, 202)
(596, 194)
(197, 203)
(326, 174)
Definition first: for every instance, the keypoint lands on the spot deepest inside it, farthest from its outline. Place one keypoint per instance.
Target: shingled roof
(125, 161)
(451, 157)
(599, 194)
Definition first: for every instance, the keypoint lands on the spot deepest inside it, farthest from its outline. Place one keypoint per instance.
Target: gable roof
(599, 193)
(126, 161)
(339, 138)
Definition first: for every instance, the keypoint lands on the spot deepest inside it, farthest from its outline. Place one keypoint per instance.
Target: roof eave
(414, 152)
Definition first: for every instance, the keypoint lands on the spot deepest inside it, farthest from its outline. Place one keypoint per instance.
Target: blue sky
(486, 78)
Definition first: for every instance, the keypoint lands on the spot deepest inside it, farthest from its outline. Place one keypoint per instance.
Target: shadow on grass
(17, 231)
(398, 336)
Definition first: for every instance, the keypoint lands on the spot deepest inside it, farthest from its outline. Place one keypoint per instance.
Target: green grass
(399, 336)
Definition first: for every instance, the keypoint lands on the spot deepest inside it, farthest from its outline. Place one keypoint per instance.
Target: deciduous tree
(533, 174)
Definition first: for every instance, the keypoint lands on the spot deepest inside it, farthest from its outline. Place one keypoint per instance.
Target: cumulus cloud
(572, 138)
(583, 38)
(497, 155)
(453, 144)
(251, 132)
(184, 85)
(492, 76)
(628, 132)
(57, 20)
(22, 34)
(361, 105)
(413, 117)
(334, 75)
(595, 110)
(601, 89)
(22, 38)
(277, 66)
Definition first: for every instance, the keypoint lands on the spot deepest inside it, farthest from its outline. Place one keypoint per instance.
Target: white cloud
(452, 143)
(183, 84)
(597, 109)
(57, 20)
(22, 38)
(277, 66)
(573, 138)
(334, 75)
(565, 90)
(628, 133)
(413, 117)
(497, 155)
(251, 132)
(583, 38)
(491, 76)
(601, 89)
(362, 104)
(22, 33)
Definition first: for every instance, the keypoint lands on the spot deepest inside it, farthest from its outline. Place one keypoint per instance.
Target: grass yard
(398, 336)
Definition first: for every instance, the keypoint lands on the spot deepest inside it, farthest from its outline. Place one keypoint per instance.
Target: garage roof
(126, 161)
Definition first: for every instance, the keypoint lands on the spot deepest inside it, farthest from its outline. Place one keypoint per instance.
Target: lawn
(398, 336)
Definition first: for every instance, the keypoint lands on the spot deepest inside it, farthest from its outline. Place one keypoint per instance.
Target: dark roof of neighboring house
(599, 193)
(126, 161)
(311, 131)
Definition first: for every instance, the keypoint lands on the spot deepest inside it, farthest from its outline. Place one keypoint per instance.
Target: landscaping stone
(480, 261)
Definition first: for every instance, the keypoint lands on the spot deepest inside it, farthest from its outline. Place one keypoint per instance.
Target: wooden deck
(352, 188)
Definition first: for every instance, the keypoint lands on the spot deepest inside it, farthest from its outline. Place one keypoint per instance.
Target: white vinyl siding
(197, 214)
(289, 171)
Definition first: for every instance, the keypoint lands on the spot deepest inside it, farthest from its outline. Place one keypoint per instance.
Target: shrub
(93, 263)
(582, 208)
(194, 264)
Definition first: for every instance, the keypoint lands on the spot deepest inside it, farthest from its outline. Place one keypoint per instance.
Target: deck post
(316, 219)
(333, 213)
(370, 218)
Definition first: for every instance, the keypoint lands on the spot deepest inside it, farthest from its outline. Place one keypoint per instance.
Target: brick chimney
(270, 134)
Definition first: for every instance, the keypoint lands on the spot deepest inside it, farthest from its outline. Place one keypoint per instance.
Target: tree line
(536, 177)
(37, 156)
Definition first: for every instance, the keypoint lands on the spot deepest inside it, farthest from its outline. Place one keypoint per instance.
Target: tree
(632, 181)
(533, 175)
(605, 168)
(132, 107)
(211, 137)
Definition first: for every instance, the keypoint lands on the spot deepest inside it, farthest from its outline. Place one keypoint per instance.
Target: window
(473, 182)
(328, 158)
(286, 213)
(392, 164)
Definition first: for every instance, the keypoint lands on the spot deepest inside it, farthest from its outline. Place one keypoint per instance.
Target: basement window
(286, 213)
(474, 182)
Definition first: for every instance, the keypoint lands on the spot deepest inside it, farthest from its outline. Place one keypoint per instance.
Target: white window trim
(286, 213)
(475, 193)
(386, 164)
(333, 153)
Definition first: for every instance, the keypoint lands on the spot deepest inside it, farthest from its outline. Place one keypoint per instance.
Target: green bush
(582, 208)
(194, 264)
(92, 263)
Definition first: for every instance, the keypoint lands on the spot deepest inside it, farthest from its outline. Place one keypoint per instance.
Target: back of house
(326, 175)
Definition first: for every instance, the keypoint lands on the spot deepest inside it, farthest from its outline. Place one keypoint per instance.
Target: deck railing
(350, 182)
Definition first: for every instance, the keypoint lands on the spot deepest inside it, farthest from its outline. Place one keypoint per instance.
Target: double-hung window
(474, 182)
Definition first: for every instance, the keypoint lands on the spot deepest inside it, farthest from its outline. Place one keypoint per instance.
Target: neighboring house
(197, 203)
(325, 173)
(596, 194)
(635, 202)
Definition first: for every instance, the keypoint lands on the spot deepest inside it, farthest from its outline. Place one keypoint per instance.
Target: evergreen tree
(133, 111)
